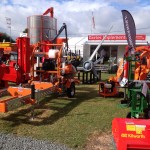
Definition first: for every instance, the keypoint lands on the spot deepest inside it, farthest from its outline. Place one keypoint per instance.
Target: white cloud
(76, 14)
(126, 2)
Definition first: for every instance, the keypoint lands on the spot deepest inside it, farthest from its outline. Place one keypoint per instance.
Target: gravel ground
(12, 142)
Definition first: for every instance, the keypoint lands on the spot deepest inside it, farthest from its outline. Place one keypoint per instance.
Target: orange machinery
(143, 63)
(110, 88)
(141, 70)
(58, 78)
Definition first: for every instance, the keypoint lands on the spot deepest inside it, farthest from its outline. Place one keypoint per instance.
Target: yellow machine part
(7, 46)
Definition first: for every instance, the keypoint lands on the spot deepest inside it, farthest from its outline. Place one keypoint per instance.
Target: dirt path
(100, 141)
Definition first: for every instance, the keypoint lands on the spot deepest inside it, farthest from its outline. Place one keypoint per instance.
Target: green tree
(5, 37)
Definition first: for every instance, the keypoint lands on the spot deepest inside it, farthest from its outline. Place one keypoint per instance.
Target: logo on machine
(134, 131)
(135, 136)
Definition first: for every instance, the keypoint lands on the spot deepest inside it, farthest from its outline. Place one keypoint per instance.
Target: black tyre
(71, 90)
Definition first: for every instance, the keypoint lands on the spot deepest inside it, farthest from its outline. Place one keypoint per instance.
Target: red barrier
(131, 134)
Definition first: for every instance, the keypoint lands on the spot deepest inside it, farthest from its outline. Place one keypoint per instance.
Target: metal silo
(41, 28)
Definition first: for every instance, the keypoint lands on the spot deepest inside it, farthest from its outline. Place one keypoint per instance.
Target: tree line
(6, 38)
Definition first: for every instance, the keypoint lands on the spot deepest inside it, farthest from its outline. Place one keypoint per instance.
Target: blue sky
(77, 14)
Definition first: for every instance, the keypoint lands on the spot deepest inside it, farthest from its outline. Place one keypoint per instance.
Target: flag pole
(92, 23)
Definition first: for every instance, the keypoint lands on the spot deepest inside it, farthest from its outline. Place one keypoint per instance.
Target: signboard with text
(115, 37)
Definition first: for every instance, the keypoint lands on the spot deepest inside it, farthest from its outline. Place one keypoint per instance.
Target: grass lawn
(63, 120)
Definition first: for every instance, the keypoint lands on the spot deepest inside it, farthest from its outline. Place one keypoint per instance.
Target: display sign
(115, 37)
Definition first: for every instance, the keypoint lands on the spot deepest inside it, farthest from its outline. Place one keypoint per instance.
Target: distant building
(77, 43)
(114, 45)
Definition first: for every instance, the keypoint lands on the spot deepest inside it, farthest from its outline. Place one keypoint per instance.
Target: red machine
(15, 63)
(131, 134)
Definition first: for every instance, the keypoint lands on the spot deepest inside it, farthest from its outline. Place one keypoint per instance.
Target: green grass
(64, 120)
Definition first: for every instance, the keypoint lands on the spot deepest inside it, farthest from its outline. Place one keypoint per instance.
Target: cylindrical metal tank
(41, 28)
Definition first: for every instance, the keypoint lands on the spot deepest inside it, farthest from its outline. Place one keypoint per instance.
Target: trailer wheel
(71, 90)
